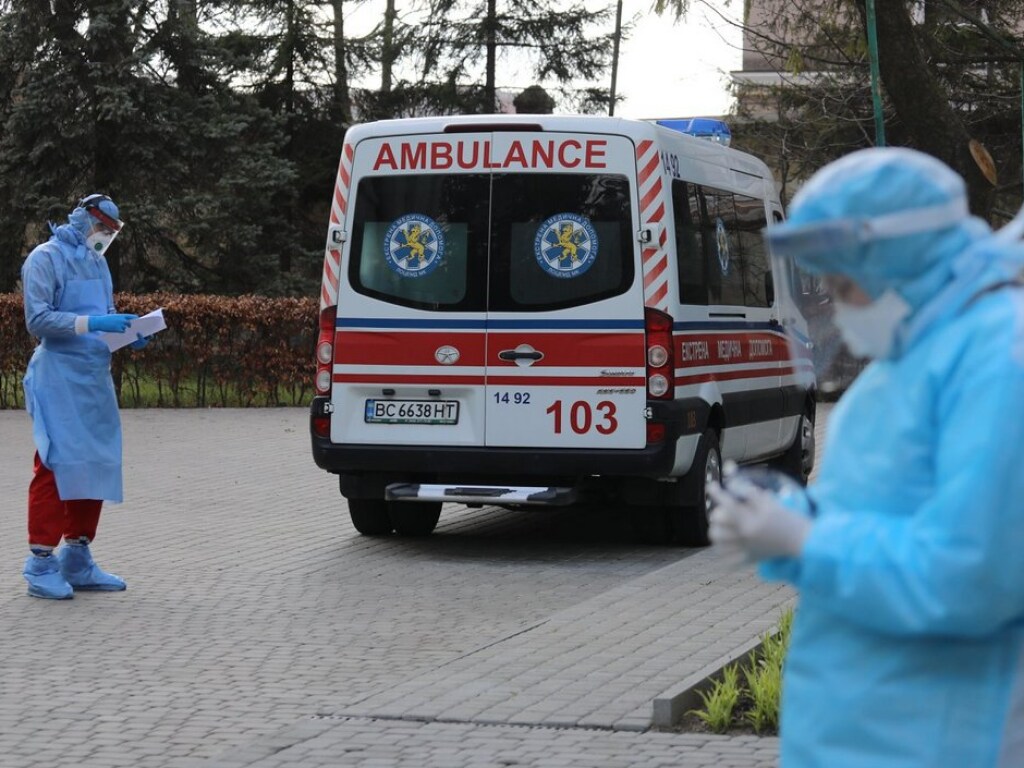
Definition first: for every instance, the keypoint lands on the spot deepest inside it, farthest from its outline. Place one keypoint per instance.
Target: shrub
(755, 701)
(216, 351)
(720, 702)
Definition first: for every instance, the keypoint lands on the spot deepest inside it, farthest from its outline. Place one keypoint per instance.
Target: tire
(691, 522)
(798, 460)
(414, 518)
(370, 516)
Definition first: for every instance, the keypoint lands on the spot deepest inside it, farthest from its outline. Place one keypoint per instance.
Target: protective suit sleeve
(787, 569)
(41, 283)
(952, 566)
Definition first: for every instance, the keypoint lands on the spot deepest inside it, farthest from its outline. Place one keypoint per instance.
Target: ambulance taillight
(325, 350)
(660, 362)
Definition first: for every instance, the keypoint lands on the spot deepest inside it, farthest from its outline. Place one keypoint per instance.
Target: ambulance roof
(636, 130)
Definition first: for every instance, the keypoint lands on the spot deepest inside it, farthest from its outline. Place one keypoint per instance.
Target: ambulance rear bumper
(432, 463)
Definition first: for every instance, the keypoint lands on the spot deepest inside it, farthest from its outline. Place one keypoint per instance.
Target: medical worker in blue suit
(70, 395)
(908, 552)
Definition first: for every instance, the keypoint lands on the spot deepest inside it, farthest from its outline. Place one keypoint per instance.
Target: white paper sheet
(147, 325)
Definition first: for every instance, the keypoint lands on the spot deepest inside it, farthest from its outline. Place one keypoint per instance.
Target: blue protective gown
(908, 643)
(68, 388)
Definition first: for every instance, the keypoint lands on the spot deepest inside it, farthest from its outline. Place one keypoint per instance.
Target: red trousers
(49, 518)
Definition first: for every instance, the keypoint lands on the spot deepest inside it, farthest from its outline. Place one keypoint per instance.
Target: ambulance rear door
(410, 341)
(565, 352)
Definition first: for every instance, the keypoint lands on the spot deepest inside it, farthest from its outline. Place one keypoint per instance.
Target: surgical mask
(98, 242)
(870, 331)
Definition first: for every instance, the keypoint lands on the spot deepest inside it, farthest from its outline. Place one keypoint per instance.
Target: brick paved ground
(259, 629)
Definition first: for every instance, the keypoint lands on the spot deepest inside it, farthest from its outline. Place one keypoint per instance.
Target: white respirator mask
(870, 331)
(98, 242)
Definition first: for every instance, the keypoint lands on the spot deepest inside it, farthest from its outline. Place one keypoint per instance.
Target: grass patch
(746, 698)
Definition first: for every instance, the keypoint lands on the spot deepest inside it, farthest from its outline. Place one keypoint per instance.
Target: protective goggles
(91, 204)
(825, 245)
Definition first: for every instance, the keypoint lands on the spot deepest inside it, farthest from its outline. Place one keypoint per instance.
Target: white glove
(749, 520)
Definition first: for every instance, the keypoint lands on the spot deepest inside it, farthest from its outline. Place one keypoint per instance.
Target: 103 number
(581, 417)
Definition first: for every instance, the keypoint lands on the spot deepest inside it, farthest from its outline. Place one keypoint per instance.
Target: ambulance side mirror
(336, 235)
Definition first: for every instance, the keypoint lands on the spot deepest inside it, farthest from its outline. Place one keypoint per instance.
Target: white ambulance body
(543, 310)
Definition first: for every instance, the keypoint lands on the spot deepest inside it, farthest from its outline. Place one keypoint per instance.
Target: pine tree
(110, 96)
(563, 44)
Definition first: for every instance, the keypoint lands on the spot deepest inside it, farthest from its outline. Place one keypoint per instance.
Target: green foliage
(764, 686)
(216, 351)
(753, 701)
(720, 702)
(947, 78)
(216, 125)
(562, 43)
(112, 97)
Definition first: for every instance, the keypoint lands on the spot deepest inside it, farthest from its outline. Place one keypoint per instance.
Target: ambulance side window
(754, 262)
(691, 247)
(739, 271)
(725, 280)
(420, 241)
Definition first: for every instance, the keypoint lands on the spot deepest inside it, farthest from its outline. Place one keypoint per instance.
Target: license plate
(412, 412)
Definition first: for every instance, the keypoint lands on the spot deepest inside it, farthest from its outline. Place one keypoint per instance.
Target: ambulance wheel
(370, 516)
(798, 460)
(691, 522)
(414, 518)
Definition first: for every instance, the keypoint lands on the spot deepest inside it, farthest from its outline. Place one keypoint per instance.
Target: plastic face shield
(91, 204)
(839, 245)
(817, 354)
(803, 253)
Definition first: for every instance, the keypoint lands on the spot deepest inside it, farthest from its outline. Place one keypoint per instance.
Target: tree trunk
(184, 23)
(388, 52)
(107, 54)
(615, 56)
(921, 104)
(491, 32)
(342, 99)
(290, 50)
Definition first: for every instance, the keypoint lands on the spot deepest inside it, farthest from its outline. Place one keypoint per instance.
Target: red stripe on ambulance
(381, 378)
(404, 349)
(339, 205)
(753, 373)
(652, 211)
(613, 350)
(730, 349)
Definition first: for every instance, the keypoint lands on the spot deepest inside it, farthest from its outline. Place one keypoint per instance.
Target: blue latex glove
(110, 323)
(140, 341)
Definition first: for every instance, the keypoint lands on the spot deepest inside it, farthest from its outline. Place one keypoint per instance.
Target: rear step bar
(481, 494)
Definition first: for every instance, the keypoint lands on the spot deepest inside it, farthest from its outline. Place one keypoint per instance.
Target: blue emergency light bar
(702, 127)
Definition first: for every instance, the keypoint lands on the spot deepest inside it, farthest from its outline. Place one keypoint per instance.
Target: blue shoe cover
(45, 579)
(82, 573)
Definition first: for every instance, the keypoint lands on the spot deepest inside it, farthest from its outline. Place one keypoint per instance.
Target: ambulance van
(531, 311)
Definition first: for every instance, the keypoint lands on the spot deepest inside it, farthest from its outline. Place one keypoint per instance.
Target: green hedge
(216, 351)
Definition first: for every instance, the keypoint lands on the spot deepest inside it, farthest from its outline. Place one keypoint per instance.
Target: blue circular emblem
(722, 243)
(565, 245)
(414, 245)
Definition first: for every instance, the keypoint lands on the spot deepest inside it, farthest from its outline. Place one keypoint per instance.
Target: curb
(670, 706)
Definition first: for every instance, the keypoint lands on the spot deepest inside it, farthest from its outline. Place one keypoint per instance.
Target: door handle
(515, 354)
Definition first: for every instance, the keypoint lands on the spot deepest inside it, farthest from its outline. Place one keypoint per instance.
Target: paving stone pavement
(260, 629)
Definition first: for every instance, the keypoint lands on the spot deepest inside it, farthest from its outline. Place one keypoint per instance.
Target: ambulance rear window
(559, 240)
(501, 242)
(421, 241)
